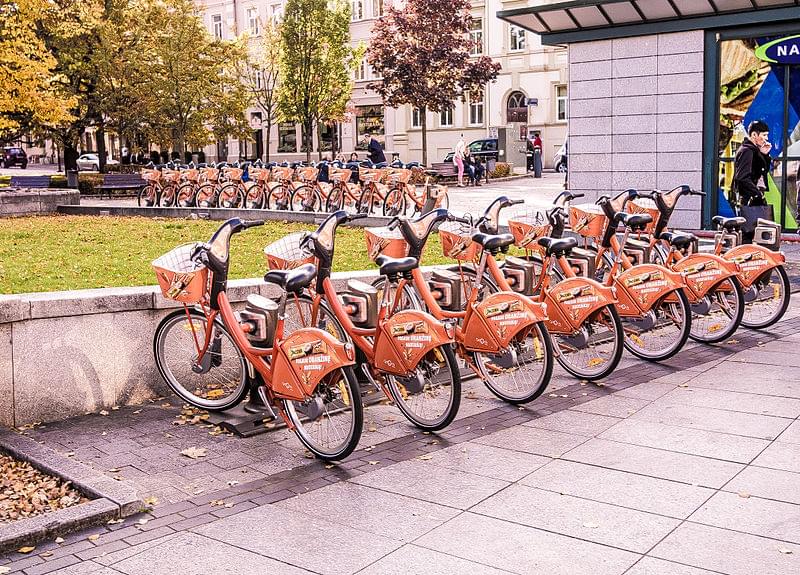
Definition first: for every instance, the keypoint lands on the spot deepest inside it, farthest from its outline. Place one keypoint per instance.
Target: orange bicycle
(207, 352)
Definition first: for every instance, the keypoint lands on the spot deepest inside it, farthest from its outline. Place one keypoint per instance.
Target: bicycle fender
(703, 272)
(571, 301)
(641, 286)
(405, 338)
(303, 360)
(753, 261)
(499, 318)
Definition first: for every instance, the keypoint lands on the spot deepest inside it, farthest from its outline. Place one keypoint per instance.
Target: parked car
(560, 159)
(13, 156)
(91, 162)
(485, 149)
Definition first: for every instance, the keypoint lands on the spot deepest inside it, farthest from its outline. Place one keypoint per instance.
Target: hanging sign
(781, 51)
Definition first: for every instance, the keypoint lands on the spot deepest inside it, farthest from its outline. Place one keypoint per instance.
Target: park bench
(442, 171)
(113, 182)
(35, 182)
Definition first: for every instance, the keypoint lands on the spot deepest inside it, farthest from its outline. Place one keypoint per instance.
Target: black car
(12, 156)
(485, 149)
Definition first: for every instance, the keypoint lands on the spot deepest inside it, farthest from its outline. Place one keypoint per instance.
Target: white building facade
(531, 90)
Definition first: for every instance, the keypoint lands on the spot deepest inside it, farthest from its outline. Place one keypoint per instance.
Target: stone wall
(636, 117)
(24, 202)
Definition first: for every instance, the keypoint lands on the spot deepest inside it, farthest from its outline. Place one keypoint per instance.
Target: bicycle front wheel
(717, 316)
(594, 350)
(431, 394)
(254, 200)
(521, 372)
(185, 196)
(230, 196)
(329, 423)
(215, 382)
(206, 196)
(305, 199)
(662, 331)
(395, 202)
(148, 196)
(767, 299)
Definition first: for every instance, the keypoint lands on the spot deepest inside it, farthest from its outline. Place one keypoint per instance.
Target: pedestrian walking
(750, 167)
(458, 158)
(374, 149)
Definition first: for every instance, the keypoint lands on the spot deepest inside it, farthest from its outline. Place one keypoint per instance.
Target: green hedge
(501, 170)
(87, 182)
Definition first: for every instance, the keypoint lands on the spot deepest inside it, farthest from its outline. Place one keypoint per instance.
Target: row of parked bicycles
(355, 187)
(588, 281)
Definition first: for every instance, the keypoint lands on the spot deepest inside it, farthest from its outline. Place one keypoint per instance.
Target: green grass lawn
(51, 253)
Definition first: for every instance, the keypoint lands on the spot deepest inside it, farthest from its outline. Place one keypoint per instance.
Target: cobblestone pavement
(690, 466)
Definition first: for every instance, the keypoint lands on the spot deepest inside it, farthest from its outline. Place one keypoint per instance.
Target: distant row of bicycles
(355, 187)
(589, 281)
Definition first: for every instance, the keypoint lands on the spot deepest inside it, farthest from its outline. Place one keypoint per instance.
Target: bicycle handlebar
(468, 221)
(515, 202)
(352, 217)
(252, 223)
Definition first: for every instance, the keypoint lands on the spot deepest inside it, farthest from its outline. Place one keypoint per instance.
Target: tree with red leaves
(421, 50)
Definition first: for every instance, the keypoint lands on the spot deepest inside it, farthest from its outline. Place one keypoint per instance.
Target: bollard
(537, 163)
(72, 178)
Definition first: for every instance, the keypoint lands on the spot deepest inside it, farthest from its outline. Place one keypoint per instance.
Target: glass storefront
(369, 119)
(752, 88)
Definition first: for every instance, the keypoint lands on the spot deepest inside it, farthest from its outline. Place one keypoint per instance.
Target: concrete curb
(111, 499)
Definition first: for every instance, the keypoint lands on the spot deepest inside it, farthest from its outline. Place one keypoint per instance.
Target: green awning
(581, 20)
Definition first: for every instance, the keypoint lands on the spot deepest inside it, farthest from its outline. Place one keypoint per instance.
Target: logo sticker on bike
(644, 278)
(568, 295)
(583, 222)
(503, 308)
(409, 328)
(376, 246)
(306, 349)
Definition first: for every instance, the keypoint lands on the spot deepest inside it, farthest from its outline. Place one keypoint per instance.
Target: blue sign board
(781, 51)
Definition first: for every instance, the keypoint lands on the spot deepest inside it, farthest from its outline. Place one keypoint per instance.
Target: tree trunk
(100, 136)
(307, 138)
(334, 140)
(71, 155)
(424, 114)
(319, 142)
(269, 137)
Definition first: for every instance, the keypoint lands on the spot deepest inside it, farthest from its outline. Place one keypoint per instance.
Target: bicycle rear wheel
(330, 422)
(521, 372)
(429, 396)
(148, 196)
(717, 316)
(662, 331)
(594, 351)
(395, 202)
(219, 380)
(184, 198)
(767, 299)
(305, 199)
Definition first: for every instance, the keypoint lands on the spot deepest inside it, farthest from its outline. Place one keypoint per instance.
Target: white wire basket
(179, 277)
(286, 253)
(528, 227)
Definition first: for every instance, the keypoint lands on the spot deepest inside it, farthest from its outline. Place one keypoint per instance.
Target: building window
(446, 117)
(517, 108)
(416, 118)
(361, 70)
(287, 137)
(276, 13)
(258, 79)
(475, 111)
(476, 37)
(517, 39)
(377, 8)
(216, 22)
(561, 103)
(357, 10)
(369, 120)
(252, 21)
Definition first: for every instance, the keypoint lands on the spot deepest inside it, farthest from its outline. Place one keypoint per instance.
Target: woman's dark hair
(758, 126)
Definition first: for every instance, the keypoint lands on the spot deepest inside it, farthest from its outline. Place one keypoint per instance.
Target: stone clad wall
(636, 116)
(24, 202)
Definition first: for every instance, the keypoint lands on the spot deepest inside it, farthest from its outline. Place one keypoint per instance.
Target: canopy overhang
(583, 20)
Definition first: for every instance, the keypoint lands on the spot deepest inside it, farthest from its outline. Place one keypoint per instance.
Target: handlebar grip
(453, 218)
(578, 195)
(352, 217)
(697, 193)
(515, 202)
(252, 223)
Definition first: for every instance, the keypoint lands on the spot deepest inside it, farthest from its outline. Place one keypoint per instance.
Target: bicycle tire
(230, 196)
(734, 320)
(168, 196)
(279, 201)
(683, 332)
(748, 319)
(312, 202)
(254, 199)
(206, 196)
(341, 386)
(187, 360)
(148, 197)
(609, 363)
(404, 399)
(335, 200)
(184, 197)
(394, 204)
(409, 300)
(365, 201)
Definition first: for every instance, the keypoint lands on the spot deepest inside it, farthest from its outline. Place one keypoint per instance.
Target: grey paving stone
(767, 483)
(751, 378)
(780, 455)
(728, 551)
(414, 560)
(529, 440)
(619, 488)
(752, 515)
(612, 525)
(524, 550)
(651, 390)
(421, 480)
(613, 405)
(685, 440)
(655, 462)
(767, 357)
(734, 401)
(488, 461)
(652, 566)
(85, 568)
(576, 422)
(192, 554)
(709, 419)
(302, 540)
(791, 434)
(116, 556)
(393, 516)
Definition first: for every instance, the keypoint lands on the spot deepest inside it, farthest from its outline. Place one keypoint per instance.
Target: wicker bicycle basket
(307, 174)
(399, 176)
(286, 253)
(340, 175)
(234, 174)
(588, 220)
(383, 241)
(645, 206)
(151, 175)
(457, 241)
(179, 277)
(528, 228)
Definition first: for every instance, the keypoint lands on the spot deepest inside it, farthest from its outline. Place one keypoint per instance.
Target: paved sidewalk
(686, 467)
